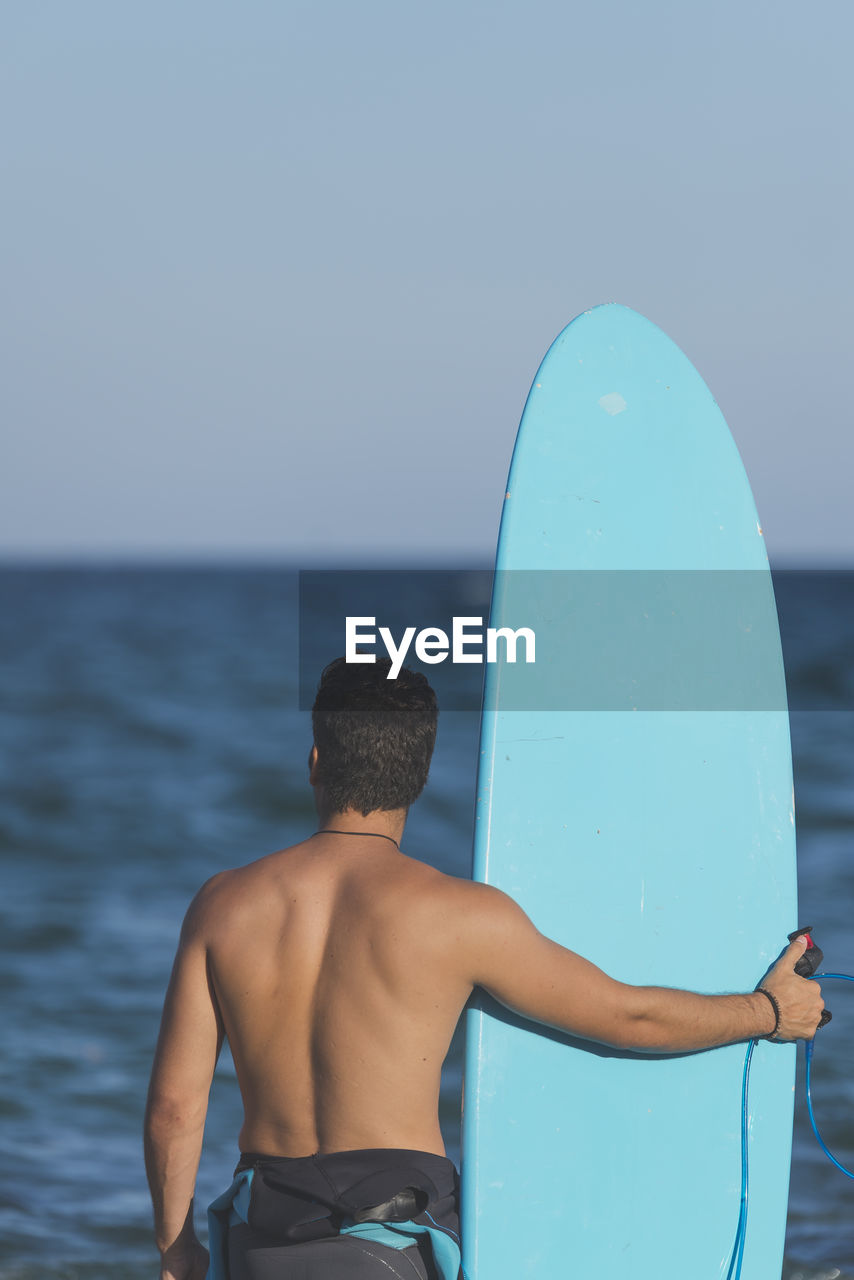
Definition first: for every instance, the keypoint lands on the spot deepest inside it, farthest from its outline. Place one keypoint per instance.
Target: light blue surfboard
(635, 796)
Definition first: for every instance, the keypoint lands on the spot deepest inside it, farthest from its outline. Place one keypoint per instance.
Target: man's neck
(387, 824)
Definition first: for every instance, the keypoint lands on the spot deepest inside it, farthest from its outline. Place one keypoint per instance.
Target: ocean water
(149, 736)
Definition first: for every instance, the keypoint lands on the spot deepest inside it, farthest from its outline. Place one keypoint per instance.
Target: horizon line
(417, 561)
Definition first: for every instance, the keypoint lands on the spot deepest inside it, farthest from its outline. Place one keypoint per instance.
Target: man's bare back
(334, 971)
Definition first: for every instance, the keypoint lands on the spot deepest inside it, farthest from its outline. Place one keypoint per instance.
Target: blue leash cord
(810, 1046)
(734, 1270)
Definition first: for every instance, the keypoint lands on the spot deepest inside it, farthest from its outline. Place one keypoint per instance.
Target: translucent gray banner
(591, 641)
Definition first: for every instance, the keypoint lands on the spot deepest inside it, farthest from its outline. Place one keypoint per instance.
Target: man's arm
(544, 981)
(188, 1046)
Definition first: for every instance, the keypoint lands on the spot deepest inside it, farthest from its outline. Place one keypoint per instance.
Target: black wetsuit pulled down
(298, 1206)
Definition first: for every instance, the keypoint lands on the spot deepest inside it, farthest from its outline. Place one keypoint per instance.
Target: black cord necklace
(333, 831)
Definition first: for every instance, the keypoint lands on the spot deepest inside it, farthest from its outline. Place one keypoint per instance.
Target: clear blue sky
(278, 275)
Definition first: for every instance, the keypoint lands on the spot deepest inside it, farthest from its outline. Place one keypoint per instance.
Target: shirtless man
(338, 969)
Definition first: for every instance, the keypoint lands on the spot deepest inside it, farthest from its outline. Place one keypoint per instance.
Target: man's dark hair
(374, 736)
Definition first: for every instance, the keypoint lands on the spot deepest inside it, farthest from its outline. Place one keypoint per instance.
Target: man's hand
(799, 998)
(184, 1260)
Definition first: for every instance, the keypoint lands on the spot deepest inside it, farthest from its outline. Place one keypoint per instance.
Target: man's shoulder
(206, 906)
(234, 881)
(223, 894)
(464, 894)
